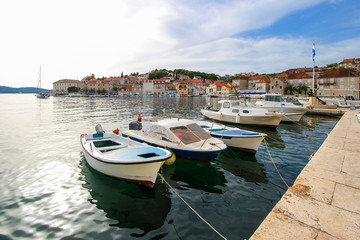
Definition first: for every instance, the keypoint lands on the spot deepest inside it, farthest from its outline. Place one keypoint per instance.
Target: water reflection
(242, 165)
(185, 174)
(127, 203)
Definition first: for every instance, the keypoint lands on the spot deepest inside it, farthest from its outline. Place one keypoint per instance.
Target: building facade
(61, 86)
(339, 82)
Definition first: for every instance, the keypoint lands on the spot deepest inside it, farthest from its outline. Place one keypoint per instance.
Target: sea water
(48, 191)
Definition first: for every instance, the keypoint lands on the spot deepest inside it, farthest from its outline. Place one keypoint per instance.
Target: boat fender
(116, 131)
(221, 117)
(99, 129)
(171, 160)
(135, 126)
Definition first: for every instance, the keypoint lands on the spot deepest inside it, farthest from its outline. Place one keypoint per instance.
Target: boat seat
(98, 135)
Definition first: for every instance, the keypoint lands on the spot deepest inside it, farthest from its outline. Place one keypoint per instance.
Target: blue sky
(325, 22)
(73, 39)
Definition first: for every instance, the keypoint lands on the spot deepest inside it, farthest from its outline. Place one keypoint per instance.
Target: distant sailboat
(41, 94)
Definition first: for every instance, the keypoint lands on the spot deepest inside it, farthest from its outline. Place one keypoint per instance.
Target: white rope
(267, 148)
(298, 123)
(162, 178)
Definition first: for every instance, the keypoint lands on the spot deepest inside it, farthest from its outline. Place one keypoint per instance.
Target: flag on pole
(313, 50)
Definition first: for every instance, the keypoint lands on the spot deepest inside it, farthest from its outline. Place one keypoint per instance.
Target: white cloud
(72, 39)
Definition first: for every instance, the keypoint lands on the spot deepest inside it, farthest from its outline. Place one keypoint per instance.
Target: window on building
(341, 86)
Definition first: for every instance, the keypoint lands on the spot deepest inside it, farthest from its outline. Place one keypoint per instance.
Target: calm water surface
(49, 191)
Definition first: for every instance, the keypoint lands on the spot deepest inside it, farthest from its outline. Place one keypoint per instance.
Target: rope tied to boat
(187, 204)
(267, 148)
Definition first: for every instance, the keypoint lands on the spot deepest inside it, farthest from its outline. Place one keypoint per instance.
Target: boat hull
(292, 117)
(142, 174)
(267, 120)
(244, 144)
(130, 160)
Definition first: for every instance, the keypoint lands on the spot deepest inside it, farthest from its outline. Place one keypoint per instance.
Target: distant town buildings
(335, 79)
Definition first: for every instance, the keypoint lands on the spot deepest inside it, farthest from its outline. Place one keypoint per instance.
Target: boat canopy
(187, 133)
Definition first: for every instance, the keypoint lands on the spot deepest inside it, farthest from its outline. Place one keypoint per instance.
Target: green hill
(4, 89)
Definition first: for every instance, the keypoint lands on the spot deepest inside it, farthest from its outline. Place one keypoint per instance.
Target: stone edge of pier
(324, 201)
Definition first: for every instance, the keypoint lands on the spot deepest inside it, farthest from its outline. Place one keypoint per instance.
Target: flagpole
(314, 85)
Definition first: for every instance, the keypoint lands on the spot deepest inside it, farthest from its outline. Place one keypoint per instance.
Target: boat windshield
(198, 131)
(185, 135)
(274, 98)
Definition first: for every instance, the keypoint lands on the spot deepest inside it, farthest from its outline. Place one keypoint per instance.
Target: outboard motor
(135, 125)
(99, 129)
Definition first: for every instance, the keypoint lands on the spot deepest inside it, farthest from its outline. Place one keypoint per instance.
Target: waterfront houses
(335, 80)
(339, 82)
(351, 63)
(259, 83)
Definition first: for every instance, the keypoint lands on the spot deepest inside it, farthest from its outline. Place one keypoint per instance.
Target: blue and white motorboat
(123, 158)
(235, 138)
(183, 136)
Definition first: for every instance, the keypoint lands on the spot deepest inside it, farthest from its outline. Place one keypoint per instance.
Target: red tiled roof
(106, 81)
(194, 81)
(67, 81)
(349, 60)
(339, 73)
(241, 78)
(299, 76)
(259, 77)
(114, 78)
(283, 74)
(92, 81)
(263, 81)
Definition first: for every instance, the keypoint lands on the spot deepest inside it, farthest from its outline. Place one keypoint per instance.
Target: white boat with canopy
(275, 103)
(239, 112)
(183, 136)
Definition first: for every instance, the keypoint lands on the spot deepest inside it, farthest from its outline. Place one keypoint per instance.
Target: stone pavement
(324, 201)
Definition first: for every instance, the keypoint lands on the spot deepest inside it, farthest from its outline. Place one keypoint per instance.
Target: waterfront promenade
(324, 201)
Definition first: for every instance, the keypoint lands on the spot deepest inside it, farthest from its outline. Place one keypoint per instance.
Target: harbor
(323, 201)
(47, 183)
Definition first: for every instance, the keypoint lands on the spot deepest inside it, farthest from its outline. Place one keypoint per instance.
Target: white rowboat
(123, 158)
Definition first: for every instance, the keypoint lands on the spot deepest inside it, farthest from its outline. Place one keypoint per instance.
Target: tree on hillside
(158, 74)
(73, 89)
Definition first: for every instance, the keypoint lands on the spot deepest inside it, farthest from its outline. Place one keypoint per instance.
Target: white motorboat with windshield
(235, 138)
(123, 158)
(239, 112)
(275, 103)
(183, 136)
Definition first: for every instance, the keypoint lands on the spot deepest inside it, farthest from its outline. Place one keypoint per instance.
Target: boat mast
(39, 81)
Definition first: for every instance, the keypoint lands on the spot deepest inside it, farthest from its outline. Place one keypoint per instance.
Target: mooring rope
(163, 179)
(267, 148)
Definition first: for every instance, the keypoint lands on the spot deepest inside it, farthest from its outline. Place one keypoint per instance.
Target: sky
(71, 39)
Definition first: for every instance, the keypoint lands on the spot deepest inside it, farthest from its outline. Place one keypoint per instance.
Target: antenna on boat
(237, 94)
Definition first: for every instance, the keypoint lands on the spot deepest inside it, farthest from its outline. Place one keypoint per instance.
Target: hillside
(4, 89)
